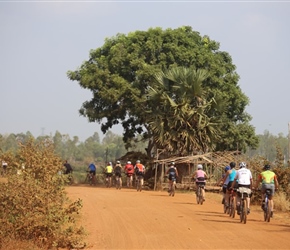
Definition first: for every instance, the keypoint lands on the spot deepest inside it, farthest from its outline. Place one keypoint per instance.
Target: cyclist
(230, 175)
(224, 183)
(139, 171)
(244, 179)
(200, 176)
(118, 172)
(92, 170)
(172, 175)
(109, 173)
(68, 168)
(269, 181)
(129, 170)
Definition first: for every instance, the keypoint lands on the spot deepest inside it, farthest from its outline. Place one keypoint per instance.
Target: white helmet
(243, 165)
(128, 162)
(199, 166)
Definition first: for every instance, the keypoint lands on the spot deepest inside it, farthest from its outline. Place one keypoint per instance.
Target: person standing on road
(269, 181)
(244, 179)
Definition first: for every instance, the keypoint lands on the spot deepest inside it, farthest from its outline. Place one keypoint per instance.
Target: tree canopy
(123, 73)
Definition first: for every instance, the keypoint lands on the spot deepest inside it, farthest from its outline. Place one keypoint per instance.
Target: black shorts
(230, 185)
(93, 172)
(109, 175)
(118, 174)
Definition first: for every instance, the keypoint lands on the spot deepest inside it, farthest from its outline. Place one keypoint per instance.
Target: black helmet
(232, 164)
(267, 167)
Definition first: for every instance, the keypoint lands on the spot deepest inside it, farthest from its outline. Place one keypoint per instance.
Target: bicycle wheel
(200, 196)
(173, 189)
(241, 208)
(233, 206)
(268, 211)
(245, 210)
(197, 195)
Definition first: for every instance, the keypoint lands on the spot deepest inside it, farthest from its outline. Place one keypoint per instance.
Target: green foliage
(120, 72)
(34, 205)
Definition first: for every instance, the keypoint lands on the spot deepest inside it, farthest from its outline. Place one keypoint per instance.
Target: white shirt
(244, 176)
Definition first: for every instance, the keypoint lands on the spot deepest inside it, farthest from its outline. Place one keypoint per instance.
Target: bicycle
(89, 178)
(267, 205)
(232, 204)
(171, 190)
(129, 180)
(243, 193)
(199, 194)
(108, 180)
(118, 182)
(139, 180)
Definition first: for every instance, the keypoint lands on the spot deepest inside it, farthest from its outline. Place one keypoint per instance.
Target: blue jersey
(92, 167)
(232, 175)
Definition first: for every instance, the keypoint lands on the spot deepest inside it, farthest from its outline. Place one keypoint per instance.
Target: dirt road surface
(127, 219)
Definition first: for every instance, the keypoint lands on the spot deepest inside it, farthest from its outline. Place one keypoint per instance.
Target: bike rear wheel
(233, 205)
(245, 211)
(267, 210)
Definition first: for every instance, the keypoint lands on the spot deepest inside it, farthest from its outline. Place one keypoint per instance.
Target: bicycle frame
(139, 182)
(172, 187)
(199, 193)
(243, 193)
(267, 207)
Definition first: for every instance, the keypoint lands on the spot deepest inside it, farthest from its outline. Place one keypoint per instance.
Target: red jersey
(129, 169)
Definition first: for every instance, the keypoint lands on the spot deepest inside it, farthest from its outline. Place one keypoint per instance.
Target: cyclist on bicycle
(172, 175)
(269, 181)
(244, 179)
(230, 176)
(200, 176)
(109, 172)
(224, 183)
(129, 170)
(139, 171)
(118, 171)
(68, 168)
(92, 171)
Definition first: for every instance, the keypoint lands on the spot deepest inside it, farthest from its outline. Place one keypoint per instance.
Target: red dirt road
(127, 219)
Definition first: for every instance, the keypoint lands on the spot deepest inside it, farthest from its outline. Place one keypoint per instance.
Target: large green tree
(120, 72)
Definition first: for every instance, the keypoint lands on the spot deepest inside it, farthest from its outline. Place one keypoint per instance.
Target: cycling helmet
(227, 168)
(267, 167)
(138, 161)
(110, 163)
(118, 162)
(232, 164)
(128, 162)
(243, 165)
(199, 166)
(172, 163)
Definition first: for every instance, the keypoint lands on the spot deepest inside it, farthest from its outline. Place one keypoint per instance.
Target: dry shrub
(280, 202)
(33, 204)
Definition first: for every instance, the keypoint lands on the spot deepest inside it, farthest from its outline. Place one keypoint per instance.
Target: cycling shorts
(268, 186)
(93, 172)
(230, 185)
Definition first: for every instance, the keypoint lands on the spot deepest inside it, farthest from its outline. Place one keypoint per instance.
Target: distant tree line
(112, 146)
(78, 153)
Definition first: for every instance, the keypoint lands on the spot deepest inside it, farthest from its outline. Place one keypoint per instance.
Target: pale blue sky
(41, 41)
